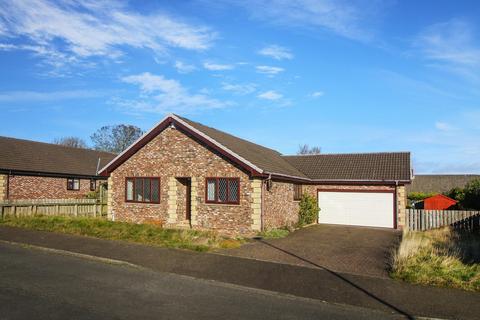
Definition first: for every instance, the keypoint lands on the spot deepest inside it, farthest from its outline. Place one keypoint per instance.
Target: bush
(418, 196)
(308, 212)
(472, 195)
(92, 195)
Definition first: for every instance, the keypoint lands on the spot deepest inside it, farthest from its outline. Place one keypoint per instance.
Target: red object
(438, 202)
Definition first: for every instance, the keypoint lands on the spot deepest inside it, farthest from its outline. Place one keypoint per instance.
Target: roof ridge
(346, 153)
(56, 145)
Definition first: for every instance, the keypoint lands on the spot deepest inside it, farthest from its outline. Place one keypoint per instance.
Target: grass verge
(443, 257)
(139, 233)
(274, 233)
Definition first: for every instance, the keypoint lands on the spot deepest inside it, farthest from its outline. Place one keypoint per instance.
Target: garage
(358, 208)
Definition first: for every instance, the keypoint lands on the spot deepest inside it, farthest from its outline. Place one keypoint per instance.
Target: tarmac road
(39, 284)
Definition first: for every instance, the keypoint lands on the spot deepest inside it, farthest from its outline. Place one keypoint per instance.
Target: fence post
(75, 210)
(95, 210)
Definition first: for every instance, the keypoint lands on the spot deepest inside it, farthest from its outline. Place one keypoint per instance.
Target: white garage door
(374, 209)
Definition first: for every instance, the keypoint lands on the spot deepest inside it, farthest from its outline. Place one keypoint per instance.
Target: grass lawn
(139, 233)
(274, 233)
(441, 257)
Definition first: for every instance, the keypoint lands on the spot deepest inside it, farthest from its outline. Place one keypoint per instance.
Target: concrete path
(317, 283)
(346, 249)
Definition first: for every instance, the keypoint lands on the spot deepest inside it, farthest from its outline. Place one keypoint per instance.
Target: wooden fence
(418, 220)
(48, 207)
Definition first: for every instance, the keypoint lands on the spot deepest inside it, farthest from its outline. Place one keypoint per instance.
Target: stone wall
(401, 206)
(279, 207)
(174, 154)
(34, 187)
(257, 204)
(3, 186)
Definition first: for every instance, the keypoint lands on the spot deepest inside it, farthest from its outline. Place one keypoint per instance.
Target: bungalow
(183, 173)
(37, 170)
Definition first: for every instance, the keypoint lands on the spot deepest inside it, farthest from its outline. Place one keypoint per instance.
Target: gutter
(395, 182)
(49, 174)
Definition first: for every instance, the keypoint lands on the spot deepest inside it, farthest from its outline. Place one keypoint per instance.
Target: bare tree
(115, 138)
(305, 149)
(74, 142)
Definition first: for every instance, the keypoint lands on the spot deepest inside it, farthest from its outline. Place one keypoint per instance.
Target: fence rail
(419, 220)
(48, 207)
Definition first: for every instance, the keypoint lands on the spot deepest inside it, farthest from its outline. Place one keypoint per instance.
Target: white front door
(374, 209)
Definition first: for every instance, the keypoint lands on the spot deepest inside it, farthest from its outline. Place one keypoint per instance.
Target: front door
(188, 195)
(184, 193)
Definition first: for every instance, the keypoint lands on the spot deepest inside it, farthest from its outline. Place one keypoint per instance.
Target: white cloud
(317, 94)
(270, 95)
(269, 70)
(160, 95)
(241, 89)
(452, 46)
(345, 18)
(79, 30)
(443, 126)
(184, 67)
(276, 52)
(217, 67)
(37, 96)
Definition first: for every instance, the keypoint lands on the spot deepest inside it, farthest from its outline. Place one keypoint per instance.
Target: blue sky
(360, 76)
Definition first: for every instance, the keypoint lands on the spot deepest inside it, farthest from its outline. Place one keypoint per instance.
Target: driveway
(346, 249)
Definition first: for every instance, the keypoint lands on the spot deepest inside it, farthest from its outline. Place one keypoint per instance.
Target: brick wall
(400, 196)
(279, 207)
(174, 154)
(33, 187)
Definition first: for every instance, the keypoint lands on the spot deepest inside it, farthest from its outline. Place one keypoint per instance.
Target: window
(93, 184)
(73, 184)
(297, 192)
(222, 190)
(145, 190)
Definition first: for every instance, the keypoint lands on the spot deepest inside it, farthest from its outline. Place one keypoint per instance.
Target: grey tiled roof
(355, 166)
(439, 182)
(362, 166)
(264, 158)
(39, 157)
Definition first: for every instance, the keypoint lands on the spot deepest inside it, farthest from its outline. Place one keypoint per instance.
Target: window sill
(140, 202)
(222, 204)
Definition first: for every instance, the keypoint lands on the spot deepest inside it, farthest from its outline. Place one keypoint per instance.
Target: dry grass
(439, 257)
(140, 233)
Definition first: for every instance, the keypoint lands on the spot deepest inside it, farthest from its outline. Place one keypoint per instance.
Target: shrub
(472, 195)
(417, 196)
(456, 193)
(308, 212)
(92, 195)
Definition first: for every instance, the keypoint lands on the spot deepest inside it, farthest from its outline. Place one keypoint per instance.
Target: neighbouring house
(183, 173)
(37, 170)
(439, 183)
(436, 202)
